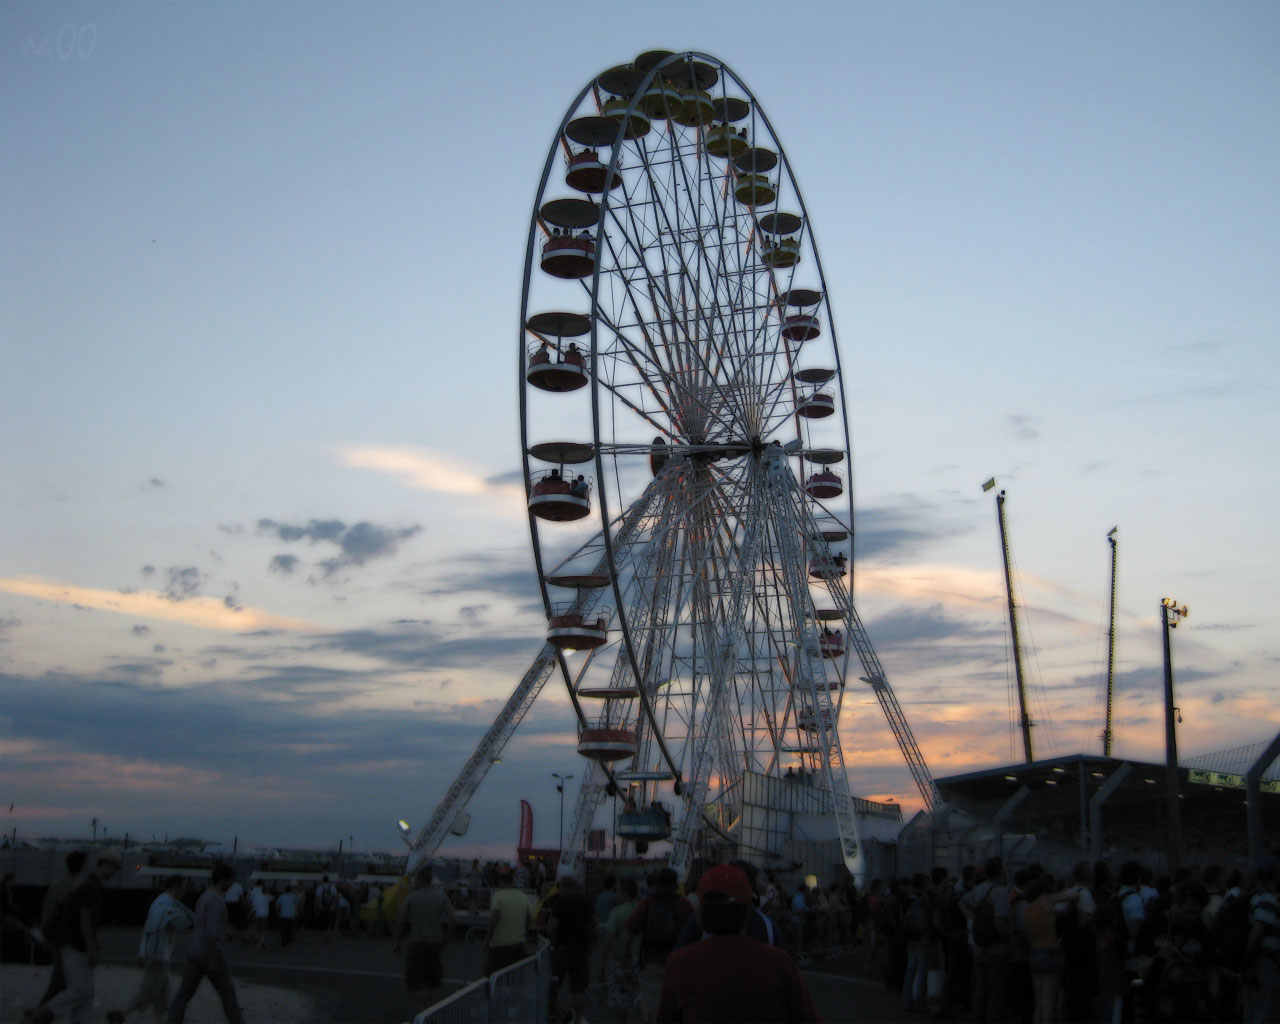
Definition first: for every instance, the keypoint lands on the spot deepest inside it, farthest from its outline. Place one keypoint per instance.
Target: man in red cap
(728, 976)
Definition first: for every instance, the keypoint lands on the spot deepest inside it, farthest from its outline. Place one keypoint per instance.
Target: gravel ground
(21, 986)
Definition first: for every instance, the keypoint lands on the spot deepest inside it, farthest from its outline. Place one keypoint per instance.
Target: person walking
(618, 967)
(426, 920)
(287, 914)
(729, 976)
(657, 919)
(75, 933)
(260, 908)
(57, 895)
(168, 915)
(509, 918)
(326, 906)
(570, 930)
(206, 953)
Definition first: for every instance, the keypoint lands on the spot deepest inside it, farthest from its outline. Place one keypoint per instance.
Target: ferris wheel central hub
(719, 452)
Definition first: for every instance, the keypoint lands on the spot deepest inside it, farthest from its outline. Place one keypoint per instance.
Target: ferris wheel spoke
(646, 361)
(675, 305)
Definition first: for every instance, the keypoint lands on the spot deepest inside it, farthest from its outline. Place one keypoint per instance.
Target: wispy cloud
(203, 612)
(427, 470)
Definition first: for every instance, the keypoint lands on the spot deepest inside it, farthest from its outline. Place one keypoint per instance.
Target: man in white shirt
(168, 915)
(287, 914)
(260, 904)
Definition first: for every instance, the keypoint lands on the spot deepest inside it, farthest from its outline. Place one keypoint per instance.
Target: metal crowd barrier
(517, 994)
(469, 1005)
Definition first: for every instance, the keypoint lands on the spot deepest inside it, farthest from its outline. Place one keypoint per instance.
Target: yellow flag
(988, 485)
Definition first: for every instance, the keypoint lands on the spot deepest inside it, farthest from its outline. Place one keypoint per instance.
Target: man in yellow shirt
(509, 916)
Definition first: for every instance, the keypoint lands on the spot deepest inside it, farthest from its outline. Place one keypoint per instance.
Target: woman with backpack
(1044, 956)
(657, 920)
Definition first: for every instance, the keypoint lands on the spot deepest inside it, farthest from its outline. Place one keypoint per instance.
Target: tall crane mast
(1023, 714)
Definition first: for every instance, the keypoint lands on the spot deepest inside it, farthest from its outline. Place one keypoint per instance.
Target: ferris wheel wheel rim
(608, 452)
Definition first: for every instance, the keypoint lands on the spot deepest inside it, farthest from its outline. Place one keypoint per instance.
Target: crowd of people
(1202, 945)
(979, 944)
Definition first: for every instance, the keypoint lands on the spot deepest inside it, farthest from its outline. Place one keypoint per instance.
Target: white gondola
(649, 825)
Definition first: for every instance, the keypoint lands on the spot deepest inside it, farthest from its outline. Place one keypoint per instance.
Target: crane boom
(1024, 714)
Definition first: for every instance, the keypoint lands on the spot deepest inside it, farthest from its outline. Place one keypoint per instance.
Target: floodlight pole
(1111, 649)
(560, 781)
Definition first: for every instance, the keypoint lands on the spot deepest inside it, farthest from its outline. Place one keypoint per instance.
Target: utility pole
(1170, 613)
(1024, 715)
(1111, 648)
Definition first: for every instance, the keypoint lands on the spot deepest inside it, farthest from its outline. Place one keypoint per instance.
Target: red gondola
(801, 327)
(549, 373)
(570, 632)
(824, 484)
(587, 172)
(816, 406)
(569, 257)
(552, 498)
(607, 744)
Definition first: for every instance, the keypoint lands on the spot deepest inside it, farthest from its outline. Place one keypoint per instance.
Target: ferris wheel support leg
(875, 677)
(714, 728)
(794, 523)
(482, 759)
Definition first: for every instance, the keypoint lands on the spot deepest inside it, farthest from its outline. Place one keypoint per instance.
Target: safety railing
(514, 995)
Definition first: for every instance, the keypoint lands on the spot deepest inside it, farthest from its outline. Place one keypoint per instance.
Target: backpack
(1230, 930)
(326, 897)
(1127, 892)
(985, 932)
(918, 917)
(661, 929)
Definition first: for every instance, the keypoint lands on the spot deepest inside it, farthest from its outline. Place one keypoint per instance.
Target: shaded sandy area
(21, 986)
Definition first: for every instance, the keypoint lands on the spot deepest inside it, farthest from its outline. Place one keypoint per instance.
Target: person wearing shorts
(426, 919)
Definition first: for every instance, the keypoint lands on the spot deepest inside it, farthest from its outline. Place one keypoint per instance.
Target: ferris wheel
(685, 449)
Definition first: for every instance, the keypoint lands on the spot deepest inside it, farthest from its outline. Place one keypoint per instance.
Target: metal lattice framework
(677, 244)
